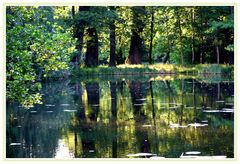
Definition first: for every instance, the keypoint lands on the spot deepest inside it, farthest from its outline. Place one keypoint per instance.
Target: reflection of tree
(123, 134)
(77, 97)
(92, 89)
(194, 99)
(138, 93)
(154, 118)
(114, 117)
(170, 97)
(182, 102)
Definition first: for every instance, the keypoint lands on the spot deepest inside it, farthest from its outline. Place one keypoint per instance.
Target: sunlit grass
(165, 71)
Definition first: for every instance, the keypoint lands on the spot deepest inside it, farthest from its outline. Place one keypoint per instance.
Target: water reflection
(112, 119)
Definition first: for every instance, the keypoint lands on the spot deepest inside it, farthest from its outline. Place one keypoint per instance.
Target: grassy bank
(136, 69)
(145, 69)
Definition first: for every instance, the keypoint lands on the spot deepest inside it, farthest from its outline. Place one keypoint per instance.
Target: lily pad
(211, 111)
(49, 105)
(65, 104)
(220, 101)
(67, 110)
(15, 144)
(193, 152)
(140, 155)
(197, 125)
(147, 126)
(95, 105)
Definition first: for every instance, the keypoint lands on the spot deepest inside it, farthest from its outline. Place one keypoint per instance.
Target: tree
(179, 26)
(136, 44)
(37, 47)
(112, 37)
(151, 35)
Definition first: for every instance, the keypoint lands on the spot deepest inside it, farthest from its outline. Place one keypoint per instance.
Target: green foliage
(36, 47)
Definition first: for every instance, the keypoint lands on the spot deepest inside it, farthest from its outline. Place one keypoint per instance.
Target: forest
(44, 42)
(120, 82)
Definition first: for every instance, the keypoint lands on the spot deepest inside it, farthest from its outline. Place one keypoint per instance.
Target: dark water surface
(119, 118)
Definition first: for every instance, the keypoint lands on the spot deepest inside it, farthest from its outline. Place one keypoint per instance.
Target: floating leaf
(67, 110)
(65, 104)
(147, 125)
(193, 152)
(15, 144)
(49, 105)
(140, 155)
(197, 125)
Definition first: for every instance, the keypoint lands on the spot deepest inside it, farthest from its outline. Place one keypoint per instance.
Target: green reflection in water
(111, 119)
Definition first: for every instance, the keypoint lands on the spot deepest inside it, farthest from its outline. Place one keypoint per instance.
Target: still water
(120, 118)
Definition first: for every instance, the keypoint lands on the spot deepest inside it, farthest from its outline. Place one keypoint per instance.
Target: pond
(124, 118)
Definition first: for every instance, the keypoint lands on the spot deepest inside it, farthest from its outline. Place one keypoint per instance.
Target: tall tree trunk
(134, 56)
(136, 44)
(79, 35)
(167, 57)
(112, 62)
(92, 48)
(151, 36)
(180, 34)
(193, 35)
(201, 36)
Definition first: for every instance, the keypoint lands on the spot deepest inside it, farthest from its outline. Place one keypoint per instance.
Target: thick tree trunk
(136, 44)
(92, 48)
(135, 49)
(112, 62)
(151, 37)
